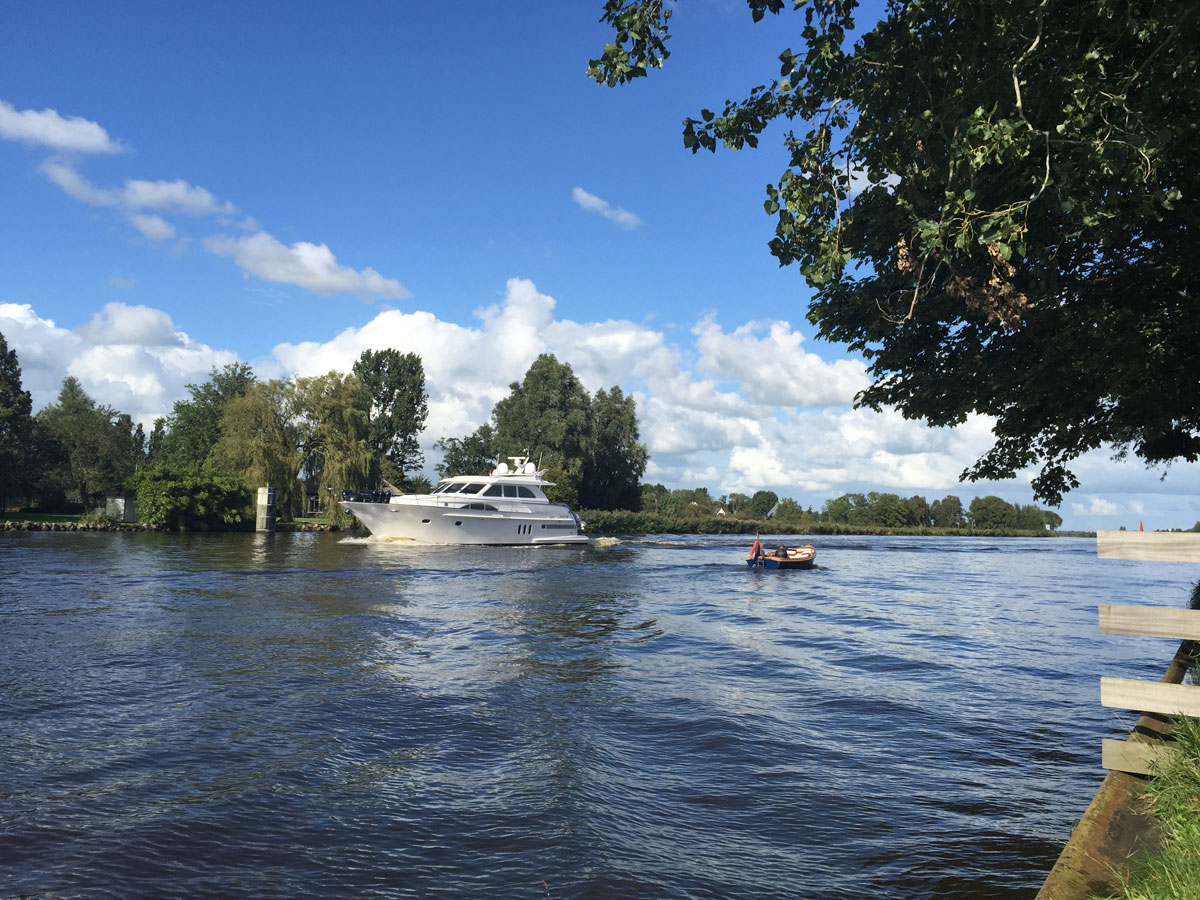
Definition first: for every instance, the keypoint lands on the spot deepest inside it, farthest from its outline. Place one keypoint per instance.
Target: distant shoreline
(601, 529)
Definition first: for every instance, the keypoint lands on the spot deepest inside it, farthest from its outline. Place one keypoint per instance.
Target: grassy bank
(1174, 799)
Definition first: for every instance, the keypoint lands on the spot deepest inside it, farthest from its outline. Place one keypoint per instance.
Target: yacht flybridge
(507, 506)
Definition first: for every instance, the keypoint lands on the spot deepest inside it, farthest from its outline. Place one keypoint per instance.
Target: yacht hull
(440, 524)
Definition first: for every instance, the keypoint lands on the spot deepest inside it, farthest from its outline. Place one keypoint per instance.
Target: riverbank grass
(1174, 798)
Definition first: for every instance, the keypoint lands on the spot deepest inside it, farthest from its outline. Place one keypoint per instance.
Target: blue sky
(184, 185)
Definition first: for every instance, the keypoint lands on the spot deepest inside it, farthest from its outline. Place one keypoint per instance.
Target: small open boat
(802, 557)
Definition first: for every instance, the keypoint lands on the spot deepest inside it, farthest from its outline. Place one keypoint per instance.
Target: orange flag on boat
(756, 549)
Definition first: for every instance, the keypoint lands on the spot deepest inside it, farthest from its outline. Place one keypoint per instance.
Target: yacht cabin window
(493, 491)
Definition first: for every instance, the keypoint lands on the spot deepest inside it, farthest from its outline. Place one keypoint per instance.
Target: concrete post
(265, 518)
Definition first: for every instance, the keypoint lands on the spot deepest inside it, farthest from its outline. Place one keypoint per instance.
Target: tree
(96, 443)
(395, 384)
(992, 512)
(157, 439)
(16, 428)
(762, 503)
(194, 426)
(947, 513)
(889, 510)
(335, 435)
(259, 443)
(588, 447)
(472, 455)
(737, 504)
(548, 415)
(1034, 518)
(653, 497)
(614, 460)
(837, 509)
(917, 511)
(995, 202)
(792, 512)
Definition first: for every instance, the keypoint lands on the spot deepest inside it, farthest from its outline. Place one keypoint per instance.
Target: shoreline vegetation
(600, 523)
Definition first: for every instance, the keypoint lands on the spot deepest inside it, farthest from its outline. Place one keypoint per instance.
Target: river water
(293, 716)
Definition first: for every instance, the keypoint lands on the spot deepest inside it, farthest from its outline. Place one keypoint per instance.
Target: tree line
(873, 509)
(309, 438)
(200, 465)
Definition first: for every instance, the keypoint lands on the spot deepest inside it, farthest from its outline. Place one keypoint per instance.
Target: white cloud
(727, 435)
(153, 227)
(129, 357)
(75, 185)
(592, 203)
(258, 253)
(310, 266)
(774, 369)
(1097, 507)
(120, 324)
(176, 196)
(50, 129)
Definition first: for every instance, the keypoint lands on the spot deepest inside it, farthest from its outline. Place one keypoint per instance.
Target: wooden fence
(1141, 754)
(1116, 827)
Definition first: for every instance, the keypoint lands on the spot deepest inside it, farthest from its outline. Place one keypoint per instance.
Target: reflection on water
(313, 716)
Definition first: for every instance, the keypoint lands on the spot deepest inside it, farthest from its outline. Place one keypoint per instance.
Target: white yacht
(507, 506)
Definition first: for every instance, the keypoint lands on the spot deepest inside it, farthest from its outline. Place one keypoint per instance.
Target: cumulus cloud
(772, 367)
(592, 203)
(140, 326)
(1098, 506)
(129, 357)
(734, 434)
(49, 129)
(306, 265)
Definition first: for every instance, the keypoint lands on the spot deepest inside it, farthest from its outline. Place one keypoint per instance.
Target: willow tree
(258, 442)
(333, 415)
(995, 202)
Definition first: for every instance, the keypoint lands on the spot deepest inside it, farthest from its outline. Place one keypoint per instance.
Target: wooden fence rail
(1141, 755)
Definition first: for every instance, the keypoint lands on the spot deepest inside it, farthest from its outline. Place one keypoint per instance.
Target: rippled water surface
(309, 716)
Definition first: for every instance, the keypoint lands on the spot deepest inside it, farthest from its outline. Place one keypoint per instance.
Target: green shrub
(192, 501)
